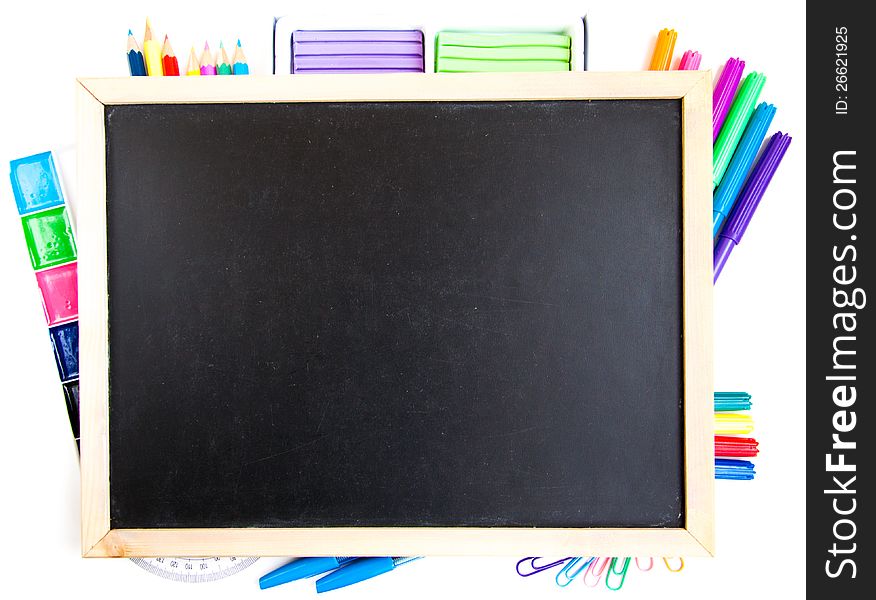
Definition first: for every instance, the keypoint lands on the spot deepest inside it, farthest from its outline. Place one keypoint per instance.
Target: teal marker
(731, 401)
(740, 165)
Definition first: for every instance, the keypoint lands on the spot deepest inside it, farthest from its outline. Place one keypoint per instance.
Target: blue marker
(301, 568)
(360, 570)
(743, 158)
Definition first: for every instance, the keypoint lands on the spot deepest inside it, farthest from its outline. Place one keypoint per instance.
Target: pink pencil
(690, 61)
(208, 65)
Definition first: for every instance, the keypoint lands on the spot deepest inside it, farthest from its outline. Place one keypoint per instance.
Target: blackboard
(412, 314)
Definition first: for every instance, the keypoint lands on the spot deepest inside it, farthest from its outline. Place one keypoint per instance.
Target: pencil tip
(130, 32)
(206, 45)
(221, 45)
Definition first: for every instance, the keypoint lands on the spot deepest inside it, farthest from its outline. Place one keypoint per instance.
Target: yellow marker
(194, 67)
(151, 52)
(728, 423)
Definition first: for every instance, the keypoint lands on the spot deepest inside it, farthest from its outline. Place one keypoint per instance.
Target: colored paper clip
(596, 570)
(680, 565)
(622, 574)
(566, 575)
(650, 564)
(533, 568)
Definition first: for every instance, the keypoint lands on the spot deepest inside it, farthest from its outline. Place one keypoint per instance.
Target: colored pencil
(725, 89)
(662, 57)
(169, 64)
(135, 57)
(690, 61)
(208, 67)
(734, 125)
(151, 52)
(223, 65)
(194, 67)
(238, 62)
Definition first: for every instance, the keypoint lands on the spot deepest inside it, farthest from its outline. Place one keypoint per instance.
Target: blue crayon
(740, 164)
(301, 568)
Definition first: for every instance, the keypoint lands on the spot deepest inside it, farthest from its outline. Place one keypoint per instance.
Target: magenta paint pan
(358, 35)
(356, 48)
(60, 293)
(358, 62)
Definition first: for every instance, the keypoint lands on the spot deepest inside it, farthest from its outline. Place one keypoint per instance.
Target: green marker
(737, 118)
(497, 40)
(464, 65)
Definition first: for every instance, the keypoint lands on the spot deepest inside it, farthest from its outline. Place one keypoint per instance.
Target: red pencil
(169, 64)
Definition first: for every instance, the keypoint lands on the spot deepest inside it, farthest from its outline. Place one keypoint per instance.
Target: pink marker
(690, 61)
(724, 92)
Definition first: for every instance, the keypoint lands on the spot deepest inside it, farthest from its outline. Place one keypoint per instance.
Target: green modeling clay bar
(462, 65)
(506, 53)
(498, 40)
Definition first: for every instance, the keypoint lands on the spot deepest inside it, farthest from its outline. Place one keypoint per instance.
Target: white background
(759, 301)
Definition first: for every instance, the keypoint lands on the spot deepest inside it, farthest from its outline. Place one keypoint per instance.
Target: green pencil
(223, 66)
(737, 118)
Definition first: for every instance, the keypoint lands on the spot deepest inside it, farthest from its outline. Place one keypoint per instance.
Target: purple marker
(751, 196)
(724, 92)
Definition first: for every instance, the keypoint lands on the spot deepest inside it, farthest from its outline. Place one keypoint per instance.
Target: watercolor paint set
(51, 246)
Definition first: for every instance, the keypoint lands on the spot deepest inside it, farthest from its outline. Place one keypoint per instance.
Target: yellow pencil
(194, 67)
(151, 52)
(662, 56)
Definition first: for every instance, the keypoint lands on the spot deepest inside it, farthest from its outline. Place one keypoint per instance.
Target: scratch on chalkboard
(290, 450)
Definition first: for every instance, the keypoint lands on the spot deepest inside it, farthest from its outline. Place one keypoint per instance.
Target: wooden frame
(696, 538)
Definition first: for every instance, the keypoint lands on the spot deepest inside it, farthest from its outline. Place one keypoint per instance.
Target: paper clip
(650, 564)
(534, 568)
(596, 570)
(622, 573)
(680, 565)
(566, 574)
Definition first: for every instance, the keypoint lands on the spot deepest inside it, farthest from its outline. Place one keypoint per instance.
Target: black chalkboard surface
(395, 314)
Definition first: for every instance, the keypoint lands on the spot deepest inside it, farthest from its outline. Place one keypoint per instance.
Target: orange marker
(169, 64)
(662, 57)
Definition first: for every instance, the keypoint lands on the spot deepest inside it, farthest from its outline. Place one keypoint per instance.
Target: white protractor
(195, 570)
